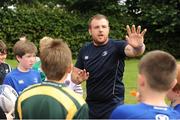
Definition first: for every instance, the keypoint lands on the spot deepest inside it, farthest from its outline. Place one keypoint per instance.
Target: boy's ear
(173, 83)
(141, 80)
(70, 68)
(18, 58)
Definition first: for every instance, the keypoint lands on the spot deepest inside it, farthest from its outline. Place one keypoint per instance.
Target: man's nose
(100, 29)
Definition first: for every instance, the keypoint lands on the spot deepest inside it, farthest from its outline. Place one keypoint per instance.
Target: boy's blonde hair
(56, 58)
(45, 41)
(159, 68)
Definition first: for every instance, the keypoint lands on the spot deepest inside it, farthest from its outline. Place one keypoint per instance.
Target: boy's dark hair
(159, 68)
(3, 47)
(23, 47)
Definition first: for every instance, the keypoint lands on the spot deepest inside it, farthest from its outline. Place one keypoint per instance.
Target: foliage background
(68, 19)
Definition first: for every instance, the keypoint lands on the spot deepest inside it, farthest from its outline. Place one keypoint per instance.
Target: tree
(162, 19)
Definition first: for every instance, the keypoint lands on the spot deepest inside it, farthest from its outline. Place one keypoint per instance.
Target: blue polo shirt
(177, 107)
(145, 111)
(21, 80)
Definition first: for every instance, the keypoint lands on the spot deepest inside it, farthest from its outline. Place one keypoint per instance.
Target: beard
(100, 42)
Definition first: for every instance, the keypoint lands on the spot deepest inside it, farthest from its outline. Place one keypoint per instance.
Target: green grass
(130, 79)
(13, 63)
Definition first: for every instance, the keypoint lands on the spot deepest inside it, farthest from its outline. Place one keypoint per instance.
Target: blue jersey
(144, 111)
(21, 80)
(105, 64)
(177, 107)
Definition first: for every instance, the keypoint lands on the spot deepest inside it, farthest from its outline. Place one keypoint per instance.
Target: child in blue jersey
(23, 76)
(157, 75)
(174, 94)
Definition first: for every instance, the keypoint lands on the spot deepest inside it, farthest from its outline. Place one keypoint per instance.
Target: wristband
(138, 48)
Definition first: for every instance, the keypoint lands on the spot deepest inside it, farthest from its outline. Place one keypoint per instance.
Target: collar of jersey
(53, 84)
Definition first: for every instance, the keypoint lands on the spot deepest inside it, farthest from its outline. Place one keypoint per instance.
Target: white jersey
(76, 88)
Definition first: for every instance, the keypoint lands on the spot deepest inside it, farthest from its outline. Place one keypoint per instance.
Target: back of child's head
(3, 47)
(159, 68)
(23, 47)
(56, 58)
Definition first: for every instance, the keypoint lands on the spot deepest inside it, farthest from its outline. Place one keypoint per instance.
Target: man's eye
(104, 26)
(96, 27)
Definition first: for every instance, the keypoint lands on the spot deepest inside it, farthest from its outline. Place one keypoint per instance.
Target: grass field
(130, 78)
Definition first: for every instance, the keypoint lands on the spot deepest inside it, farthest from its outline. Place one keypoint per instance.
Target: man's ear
(89, 31)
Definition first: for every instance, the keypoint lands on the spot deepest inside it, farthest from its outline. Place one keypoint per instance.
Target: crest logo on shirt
(86, 57)
(6, 70)
(104, 53)
(35, 80)
(161, 117)
(21, 81)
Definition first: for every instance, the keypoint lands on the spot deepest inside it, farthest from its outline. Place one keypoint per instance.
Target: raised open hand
(135, 37)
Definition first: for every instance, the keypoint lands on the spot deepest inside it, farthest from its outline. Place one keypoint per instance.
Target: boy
(23, 76)
(174, 94)
(157, 75)
(44, 42)
(52, 99)
(4, 68)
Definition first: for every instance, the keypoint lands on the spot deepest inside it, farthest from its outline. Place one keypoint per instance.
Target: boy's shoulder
(142, 111)
(12, 72)
(4, 65)
(130, 107)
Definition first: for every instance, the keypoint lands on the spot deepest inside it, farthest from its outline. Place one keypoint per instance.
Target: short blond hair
(159, 67)
(44, 42)
(97, 17)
